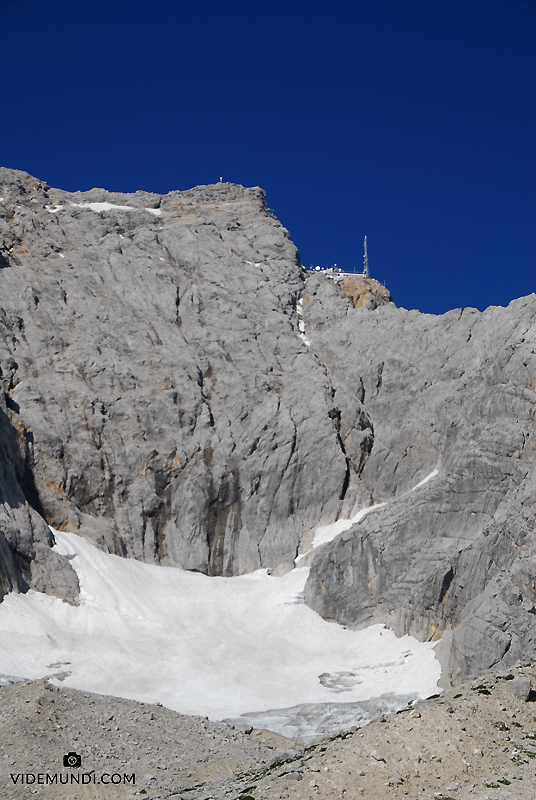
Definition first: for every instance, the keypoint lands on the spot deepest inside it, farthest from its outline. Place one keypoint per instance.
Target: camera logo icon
(72, 759)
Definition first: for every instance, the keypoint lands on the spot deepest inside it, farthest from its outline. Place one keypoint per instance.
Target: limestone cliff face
(162, 398)
(156, 390)
(456, 394)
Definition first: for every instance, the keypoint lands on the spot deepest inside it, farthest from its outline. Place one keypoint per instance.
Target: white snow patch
(425, 480)
(109, 206)
(212, 646)
(102, 206)
(326, 533)
(53, 209)
(1, 199)
(301, 323)
(61, 255)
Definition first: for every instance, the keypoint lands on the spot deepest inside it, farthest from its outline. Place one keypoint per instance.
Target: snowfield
(218, 647)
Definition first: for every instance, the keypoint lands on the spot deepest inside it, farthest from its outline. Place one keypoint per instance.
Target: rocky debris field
(167, 752)
(475, 741)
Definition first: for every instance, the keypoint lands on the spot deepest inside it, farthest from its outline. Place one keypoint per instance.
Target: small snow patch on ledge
(301, 323)
(110, 206)
(326, 533)
(425, 480)
(102, 206)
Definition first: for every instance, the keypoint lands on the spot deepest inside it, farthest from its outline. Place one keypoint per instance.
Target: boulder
(520, 687)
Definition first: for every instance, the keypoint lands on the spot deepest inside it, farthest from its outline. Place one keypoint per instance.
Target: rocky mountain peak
(178, 390)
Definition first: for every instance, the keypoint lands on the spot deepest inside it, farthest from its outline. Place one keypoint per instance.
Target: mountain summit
(178, 390)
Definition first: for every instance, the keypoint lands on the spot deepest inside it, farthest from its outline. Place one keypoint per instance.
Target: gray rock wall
(153, 371)
(160, 399)
(454, 393)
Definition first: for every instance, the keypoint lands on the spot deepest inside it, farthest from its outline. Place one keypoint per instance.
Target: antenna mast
(366, 273)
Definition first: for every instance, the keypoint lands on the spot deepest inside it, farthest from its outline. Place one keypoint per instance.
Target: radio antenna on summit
(366, 273)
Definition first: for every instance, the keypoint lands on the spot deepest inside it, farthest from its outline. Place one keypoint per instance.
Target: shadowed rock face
(155, 384)
(159, 400)
(25, 539)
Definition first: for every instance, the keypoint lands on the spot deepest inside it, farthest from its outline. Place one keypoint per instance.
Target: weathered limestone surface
(157, 391)
(25, 539)
(160, 398)
(454, 393)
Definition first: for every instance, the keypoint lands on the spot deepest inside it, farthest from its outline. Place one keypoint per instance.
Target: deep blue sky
(411, 121)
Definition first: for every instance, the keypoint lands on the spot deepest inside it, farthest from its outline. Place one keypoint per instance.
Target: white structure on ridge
(336, 273)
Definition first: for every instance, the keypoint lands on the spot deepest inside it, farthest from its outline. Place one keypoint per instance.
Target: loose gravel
(474, 742)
